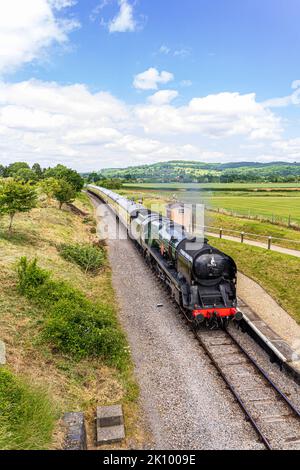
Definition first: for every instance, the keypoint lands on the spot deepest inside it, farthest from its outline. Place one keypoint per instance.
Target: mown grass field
(66, 384)
(210, 186)
(277, 202)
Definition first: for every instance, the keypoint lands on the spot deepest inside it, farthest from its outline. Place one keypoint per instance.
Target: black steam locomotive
(201, 279)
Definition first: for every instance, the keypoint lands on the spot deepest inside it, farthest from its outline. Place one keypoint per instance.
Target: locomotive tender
(201, 279)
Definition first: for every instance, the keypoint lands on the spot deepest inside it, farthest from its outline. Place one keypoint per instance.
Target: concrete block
(110, 434)
(2, 353)
(76, 432)
(110, 424)
(110, 415)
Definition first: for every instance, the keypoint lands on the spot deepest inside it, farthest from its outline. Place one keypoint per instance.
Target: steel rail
(235, 393)
(266, 376)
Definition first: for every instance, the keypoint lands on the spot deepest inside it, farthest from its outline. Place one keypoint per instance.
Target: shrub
(88, 257)
(30, 275)
(27, 416)
(73, 324)
(85, 332)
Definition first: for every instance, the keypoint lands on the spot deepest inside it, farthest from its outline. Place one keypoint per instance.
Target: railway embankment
(49, 370)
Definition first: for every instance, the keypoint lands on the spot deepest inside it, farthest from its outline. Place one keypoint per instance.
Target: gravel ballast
(185, 403)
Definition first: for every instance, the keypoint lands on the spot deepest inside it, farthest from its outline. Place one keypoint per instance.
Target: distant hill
(191, 171)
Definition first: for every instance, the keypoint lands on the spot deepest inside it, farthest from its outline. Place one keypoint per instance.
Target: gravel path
(269, 311)
(186, 404)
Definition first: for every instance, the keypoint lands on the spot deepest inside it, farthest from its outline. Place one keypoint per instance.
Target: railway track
(275, 419)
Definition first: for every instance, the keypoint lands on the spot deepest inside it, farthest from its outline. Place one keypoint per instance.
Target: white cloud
(220, 115)
(163, 97)
(124, 21)
(51, 123)
(28, 27)
(289, 148)
(151, 78)
(60, 4)
(180, 52)
(292, 99)
(186, 83)
(164, 49)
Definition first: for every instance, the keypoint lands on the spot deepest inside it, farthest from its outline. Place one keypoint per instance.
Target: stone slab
(250, 314)
(75, 431)
(2, 353)
(110, 416)
(266, 330)
(286, 350)
(110, 434)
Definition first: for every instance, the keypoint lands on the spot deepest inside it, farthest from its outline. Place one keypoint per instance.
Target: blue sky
(97, 83)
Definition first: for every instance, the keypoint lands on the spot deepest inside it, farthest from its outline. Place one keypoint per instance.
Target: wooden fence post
(221, 232)
(242, 237)
(269, 243)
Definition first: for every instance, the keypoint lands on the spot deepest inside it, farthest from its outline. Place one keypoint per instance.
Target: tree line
(21, 185)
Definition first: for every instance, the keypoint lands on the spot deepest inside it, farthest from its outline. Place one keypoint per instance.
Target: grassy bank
(27, 415)
(73, 382)
(278, 274)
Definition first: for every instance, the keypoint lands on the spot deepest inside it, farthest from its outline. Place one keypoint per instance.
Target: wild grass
(73, 385)
(73, 325)
(27, 415)
(89, 258)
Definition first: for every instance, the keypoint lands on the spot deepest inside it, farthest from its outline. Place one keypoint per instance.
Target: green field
(211, 186)
(276, 202)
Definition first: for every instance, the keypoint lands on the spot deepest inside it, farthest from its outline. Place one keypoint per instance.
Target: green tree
(16, 196)
(71, 176)
(3, 170)
(36, 168)
(49, 186)
(93, 177)
(64, 192)
(13, 168)
(25, 174)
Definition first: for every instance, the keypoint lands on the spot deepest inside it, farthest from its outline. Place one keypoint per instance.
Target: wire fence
(284, 221)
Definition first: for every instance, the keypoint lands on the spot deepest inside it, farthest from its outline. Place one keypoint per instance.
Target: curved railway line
(274, 417)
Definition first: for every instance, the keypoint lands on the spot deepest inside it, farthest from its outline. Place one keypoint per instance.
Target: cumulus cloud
(124, 21)
(216, 116)
(163, 97)
(151, 78)
(51, 123)
(28, 27)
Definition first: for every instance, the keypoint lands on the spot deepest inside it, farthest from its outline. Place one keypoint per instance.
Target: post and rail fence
(242, 236)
